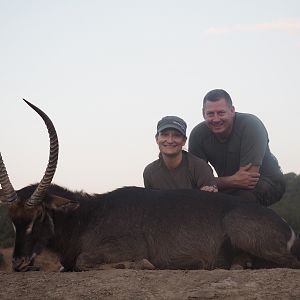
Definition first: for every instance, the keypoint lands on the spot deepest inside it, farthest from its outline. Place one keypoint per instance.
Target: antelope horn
(37, 195)
(9, 193)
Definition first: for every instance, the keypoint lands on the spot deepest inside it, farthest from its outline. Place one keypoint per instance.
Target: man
(175, 168)
(237, 146)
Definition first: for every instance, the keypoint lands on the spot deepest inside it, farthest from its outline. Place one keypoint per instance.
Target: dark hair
(217, 94)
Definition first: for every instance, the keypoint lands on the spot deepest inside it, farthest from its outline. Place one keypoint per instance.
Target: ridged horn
(42, 187)
(7, 188)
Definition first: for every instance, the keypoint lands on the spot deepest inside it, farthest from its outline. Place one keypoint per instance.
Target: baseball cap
(172, 122)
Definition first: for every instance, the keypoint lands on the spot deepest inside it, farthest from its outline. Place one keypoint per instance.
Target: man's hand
(246, 177)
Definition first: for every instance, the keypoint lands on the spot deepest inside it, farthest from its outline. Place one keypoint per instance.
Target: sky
(106, 71)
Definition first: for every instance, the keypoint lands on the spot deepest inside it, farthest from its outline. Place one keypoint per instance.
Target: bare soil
(145, 284)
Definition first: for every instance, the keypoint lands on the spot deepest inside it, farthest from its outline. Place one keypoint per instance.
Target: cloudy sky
(107, 71)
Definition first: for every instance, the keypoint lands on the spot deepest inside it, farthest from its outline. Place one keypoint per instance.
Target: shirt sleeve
(147, 180)
(254, 142)
(207, 178)
(202, 173)
(195, 145)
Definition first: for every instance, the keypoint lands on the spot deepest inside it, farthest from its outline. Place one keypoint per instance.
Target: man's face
(170, 142)
(219, 117)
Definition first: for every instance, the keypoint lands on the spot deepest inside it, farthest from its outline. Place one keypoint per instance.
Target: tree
(289, 206)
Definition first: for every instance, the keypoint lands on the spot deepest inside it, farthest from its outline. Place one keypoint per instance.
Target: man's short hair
(217, 94)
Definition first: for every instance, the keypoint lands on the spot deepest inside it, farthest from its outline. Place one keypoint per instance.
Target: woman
(176, 168)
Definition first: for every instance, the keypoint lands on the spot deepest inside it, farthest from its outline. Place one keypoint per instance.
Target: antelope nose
(17, 263)
(23, 264)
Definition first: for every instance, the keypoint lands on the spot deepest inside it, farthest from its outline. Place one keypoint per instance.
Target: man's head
(217, 94)
(171, 135)
(218, 112)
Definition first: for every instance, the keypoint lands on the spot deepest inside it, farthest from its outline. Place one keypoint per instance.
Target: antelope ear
(61, 203)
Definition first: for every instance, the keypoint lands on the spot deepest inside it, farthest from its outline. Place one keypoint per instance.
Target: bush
(289, 206)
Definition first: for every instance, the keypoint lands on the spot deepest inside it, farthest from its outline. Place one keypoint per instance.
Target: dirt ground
(156, 284)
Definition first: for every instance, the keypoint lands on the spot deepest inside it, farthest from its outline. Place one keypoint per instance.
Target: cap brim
(171, 126)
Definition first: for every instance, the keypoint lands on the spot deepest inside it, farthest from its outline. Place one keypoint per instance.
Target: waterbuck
(171, 229)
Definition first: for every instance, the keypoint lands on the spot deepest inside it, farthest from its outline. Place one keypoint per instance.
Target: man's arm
(245, 178)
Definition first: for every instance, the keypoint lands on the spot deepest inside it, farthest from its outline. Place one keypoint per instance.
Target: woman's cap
(172, 122)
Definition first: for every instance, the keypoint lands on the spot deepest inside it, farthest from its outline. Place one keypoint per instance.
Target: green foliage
(7, 233)
(289, 206)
